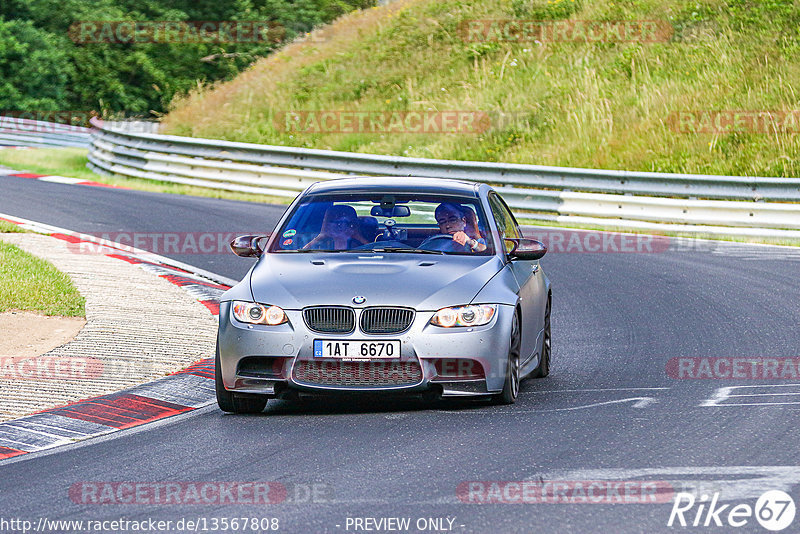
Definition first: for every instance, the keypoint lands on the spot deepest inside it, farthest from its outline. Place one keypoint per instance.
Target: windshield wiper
(410, 250)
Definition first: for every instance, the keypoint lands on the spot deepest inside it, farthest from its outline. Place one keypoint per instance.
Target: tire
(547, 345)
(228, 402)
(512, 381)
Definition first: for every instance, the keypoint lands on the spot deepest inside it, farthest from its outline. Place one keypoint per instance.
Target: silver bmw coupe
(386, 285)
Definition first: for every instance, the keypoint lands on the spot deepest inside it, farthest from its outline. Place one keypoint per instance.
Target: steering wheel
(439, 239)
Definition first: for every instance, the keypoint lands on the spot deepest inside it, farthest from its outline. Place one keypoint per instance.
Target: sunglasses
(450, 219)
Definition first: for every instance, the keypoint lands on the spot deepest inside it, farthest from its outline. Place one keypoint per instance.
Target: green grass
(72, 162)
(597, 105)
(29, 283)
(9, 228)
(60, 161)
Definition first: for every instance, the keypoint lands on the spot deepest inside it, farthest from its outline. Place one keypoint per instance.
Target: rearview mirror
(397, 211)
(526, 249)
(248, 246)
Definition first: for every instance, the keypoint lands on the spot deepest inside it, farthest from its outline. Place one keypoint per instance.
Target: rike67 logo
(774, 510)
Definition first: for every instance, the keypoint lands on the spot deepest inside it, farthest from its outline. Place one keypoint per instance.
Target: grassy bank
(28, 283)
(60, 161)
(607, 105)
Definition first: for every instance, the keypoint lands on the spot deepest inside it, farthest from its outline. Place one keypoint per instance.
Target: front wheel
(228, 402)
(511, 384)
(544, 359)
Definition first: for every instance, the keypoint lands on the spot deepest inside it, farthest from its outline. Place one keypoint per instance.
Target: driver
(452, 221)
(340, 230)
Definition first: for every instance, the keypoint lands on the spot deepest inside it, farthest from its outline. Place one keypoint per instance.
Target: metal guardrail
(32, 133)
(697, 203)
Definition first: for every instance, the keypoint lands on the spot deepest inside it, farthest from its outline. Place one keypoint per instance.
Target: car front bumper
(266, 360)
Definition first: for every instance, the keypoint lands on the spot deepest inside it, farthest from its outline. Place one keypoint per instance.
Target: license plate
(356, 349)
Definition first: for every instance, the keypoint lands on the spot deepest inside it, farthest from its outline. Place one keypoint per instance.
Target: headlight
(254, 313)
(473, 315)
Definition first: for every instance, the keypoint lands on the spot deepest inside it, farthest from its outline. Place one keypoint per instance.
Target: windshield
(425, 224)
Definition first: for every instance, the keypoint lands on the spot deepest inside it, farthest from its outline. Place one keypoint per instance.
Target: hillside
(557, 100)
(129, 57)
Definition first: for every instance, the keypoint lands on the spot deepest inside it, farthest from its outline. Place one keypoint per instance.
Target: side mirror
(248, 246)
(526, 249)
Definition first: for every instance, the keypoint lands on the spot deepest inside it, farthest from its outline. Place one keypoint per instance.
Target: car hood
(423, 282)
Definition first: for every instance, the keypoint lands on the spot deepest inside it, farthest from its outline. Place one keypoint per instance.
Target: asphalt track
(608, 411)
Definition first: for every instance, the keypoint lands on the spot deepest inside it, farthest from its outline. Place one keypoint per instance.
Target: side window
(505, 220)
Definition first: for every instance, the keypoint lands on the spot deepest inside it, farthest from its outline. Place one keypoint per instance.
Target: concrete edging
(132, 339)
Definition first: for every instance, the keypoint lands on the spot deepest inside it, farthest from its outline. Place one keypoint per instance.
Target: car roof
(395, 184)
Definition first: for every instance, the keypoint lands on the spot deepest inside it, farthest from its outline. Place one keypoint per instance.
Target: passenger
(453, 221)
(472, 228)
(368, 228)
(340, 230)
